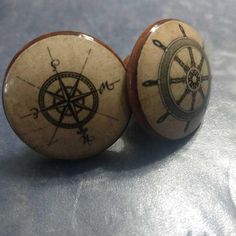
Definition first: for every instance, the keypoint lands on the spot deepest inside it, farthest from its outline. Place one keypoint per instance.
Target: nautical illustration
(193, 79)
(68, 100)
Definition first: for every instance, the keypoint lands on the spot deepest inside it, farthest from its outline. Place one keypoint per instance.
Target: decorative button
(65, 95)
(169, 79)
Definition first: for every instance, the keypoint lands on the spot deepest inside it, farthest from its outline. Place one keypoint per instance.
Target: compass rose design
(69, 100)
(193, 79)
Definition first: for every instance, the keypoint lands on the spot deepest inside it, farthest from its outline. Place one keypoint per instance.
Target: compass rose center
(70, 100)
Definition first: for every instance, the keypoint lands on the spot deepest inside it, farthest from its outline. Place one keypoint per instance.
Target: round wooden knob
(169, 79)
(65, 95)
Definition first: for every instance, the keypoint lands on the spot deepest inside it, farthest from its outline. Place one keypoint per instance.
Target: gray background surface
(141, 186)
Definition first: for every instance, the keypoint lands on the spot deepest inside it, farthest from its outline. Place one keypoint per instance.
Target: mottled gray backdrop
(141, 186)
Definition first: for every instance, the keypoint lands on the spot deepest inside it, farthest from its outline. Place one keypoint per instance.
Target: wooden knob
(126, 60)
(169, 79)
(65, 95)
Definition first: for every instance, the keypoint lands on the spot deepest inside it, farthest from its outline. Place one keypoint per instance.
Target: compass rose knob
(169, 79)
(64, 95)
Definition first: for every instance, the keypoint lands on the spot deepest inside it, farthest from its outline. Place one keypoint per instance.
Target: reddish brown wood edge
(126, 60)
(132, 67)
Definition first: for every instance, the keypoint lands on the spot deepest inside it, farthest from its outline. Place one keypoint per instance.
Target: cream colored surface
(149, 69)
(33, 65)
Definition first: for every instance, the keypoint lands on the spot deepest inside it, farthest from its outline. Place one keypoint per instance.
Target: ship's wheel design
(187, 95)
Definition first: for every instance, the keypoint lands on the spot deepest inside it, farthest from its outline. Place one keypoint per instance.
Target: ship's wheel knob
(65, 95)
(169, 79)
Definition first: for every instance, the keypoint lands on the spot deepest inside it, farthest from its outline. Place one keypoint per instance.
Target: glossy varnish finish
(169, 79)
(65, 95)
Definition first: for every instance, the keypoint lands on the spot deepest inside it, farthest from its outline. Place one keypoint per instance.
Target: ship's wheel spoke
(193, 100)
(150, 83)
(163, 117)
(205, 78)
(178, 80)
(187, 126)
(186, 92)
(182, 30)
(201, 63)
(201, 92)
(193, 63)
(182, 64)
(159, 44)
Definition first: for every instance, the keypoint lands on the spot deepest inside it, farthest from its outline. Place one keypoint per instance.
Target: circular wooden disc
(65, 95)
(169, 79)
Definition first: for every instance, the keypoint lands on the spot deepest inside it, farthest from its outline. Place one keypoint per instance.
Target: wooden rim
(132, 68)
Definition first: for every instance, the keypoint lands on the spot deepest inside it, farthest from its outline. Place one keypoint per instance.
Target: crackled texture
(141, 186)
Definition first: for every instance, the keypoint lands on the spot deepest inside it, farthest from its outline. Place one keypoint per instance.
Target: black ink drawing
(192, 78)
(69, 100)
(106, 85)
